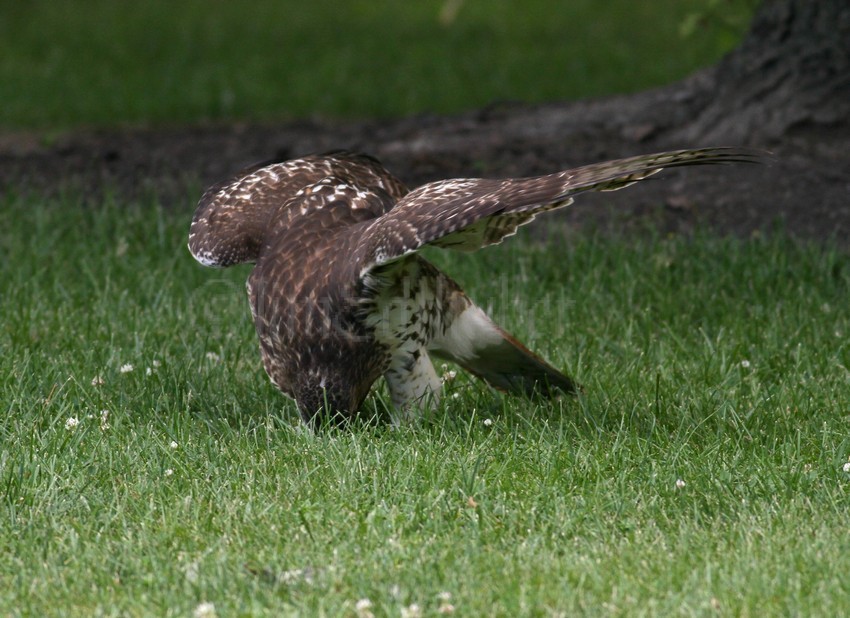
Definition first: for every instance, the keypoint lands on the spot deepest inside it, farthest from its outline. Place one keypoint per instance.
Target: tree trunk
(792, 71)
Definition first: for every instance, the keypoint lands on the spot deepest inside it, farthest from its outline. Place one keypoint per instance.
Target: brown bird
(339, 294)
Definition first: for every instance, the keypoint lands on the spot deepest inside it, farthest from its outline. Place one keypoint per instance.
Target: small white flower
(192, 571)
(104, 420)
(156, 363)
(126, 368)
(363, 607)
(295, 576)
(169, 472)
(680, 483)
(446, 606)
(448, 376)
(173, 445)
(745, 364)
(213, 357)
(72, 423)
(411, 611)
(148, 371)
(488, 422)
(847, 467)
(455, 395)
(205, 610)
(97, 381)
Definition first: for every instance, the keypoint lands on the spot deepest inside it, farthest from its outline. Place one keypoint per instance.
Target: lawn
(100, 62)
(701, 472)
(148, 468)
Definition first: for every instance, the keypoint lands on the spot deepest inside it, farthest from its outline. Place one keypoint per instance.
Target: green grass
(99, 62)
(571, 508)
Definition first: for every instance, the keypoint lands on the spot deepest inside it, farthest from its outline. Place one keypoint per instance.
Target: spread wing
(468, 214)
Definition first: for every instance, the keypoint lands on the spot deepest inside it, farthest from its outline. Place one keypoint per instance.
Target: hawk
(340, 295)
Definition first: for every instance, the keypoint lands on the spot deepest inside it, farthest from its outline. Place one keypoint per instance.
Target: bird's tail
(483, 348)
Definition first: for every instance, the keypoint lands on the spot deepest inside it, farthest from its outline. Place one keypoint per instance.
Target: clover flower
(363, 607)
(205, 610)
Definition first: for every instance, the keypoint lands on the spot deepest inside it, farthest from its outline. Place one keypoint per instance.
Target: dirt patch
(806, 189)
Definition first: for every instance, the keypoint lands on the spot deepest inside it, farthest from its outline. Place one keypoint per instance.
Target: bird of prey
(340, 295)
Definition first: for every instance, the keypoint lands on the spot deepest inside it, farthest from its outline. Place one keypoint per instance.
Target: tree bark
(792, 71)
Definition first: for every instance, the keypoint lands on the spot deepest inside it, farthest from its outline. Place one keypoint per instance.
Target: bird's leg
(413, 383)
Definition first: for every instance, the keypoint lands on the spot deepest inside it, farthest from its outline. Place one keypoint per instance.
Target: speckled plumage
(339, 295)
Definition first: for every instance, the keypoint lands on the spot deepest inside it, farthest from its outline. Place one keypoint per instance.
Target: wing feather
(471, 213)
(234, 216)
